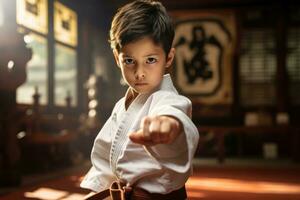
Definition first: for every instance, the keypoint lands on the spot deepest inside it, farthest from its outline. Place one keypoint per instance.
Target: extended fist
(157, 130)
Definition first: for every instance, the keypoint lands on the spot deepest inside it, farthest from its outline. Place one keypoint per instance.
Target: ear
(116, 56)
(170, 57)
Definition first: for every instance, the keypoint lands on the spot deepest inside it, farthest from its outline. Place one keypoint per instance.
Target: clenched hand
(157, 130)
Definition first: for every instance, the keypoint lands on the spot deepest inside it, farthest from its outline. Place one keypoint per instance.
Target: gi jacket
(160, 168)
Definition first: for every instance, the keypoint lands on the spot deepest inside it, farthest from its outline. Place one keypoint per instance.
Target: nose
(139, 73)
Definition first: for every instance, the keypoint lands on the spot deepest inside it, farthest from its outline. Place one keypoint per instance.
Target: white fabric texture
(158, 169)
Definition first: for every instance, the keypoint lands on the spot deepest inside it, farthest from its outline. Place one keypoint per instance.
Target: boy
(149, 141)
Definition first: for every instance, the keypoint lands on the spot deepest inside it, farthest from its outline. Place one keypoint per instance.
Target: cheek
(159, 75)
(162, 71)
(127, 74)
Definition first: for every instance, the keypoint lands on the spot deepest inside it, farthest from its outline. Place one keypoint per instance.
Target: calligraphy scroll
(204, 43)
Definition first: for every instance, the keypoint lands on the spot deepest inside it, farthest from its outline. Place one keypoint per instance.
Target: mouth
(140, 84)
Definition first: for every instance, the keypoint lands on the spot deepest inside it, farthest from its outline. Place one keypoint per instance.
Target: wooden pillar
(281, 74)
(12, 75)
(13, 58)
(51, 56)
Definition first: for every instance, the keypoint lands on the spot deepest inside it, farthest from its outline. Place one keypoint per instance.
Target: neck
(130, 97)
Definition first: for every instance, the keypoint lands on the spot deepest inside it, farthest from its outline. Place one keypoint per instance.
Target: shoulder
(170, 97)
(169, 102)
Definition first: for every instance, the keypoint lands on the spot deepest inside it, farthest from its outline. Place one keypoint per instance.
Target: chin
(142, 91)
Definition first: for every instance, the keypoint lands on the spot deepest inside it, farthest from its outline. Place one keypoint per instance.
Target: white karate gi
(158, 169)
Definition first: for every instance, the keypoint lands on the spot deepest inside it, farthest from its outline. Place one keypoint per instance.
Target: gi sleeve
(179, 154)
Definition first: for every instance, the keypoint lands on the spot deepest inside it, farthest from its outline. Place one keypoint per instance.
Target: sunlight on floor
(52, 194)
(232, 185)
(195, 187)
(194, 194)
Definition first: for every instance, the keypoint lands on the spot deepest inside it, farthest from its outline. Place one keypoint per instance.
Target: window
(65, 34)
(37, 73)
(1, 13)
(257, 68)
(32, 19)
(293, 65)
(65, 75)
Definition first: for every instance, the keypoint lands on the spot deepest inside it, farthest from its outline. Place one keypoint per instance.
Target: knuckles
(156, 130)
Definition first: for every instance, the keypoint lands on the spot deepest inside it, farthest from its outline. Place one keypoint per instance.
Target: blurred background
(237, 60)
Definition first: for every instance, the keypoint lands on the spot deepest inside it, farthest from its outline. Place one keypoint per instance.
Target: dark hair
(139, 19)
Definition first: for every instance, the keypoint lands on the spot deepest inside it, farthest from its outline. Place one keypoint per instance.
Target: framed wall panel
(293, 65)
(33, 14)
(257, 68)
(65, 24)
(204, 43)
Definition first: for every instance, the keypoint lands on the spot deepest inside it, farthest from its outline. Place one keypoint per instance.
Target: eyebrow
(151, 55)
(148, 55)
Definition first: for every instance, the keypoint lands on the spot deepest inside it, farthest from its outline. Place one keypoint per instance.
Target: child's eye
(128, 61)
(151, 60)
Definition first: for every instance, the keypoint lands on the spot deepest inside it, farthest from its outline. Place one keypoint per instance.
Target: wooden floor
(209, 182)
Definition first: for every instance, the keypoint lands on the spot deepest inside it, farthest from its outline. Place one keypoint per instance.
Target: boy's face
(143, 64)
